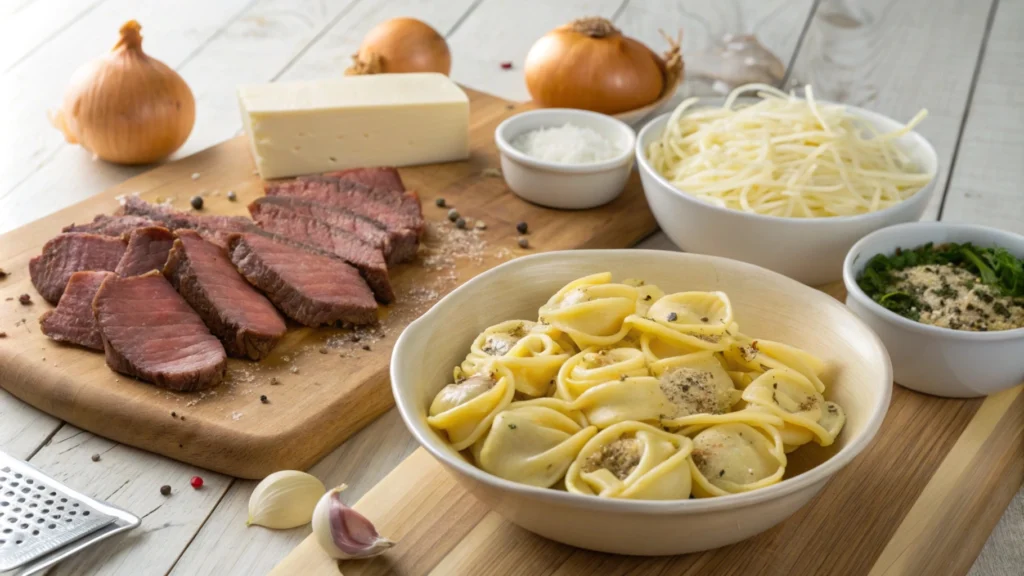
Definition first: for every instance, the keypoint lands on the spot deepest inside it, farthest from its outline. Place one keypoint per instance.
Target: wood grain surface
(919, 500)
(331, 384)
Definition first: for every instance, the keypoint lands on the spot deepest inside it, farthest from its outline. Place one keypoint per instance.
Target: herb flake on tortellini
(620, 390)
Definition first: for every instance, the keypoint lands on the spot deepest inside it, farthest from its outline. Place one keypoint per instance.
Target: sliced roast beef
(326, 190)
(342, 244)
(245, 321)
(69, 253)
(151, 333)
(213, 227)
(147, 250)
(398, 245)
(384, 177)
(72, 320)
(111, 225)
(309, 288)
(350, 186)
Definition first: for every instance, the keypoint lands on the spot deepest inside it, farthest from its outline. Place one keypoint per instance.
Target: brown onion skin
(568, 69)
(407, 45)
(127, 108)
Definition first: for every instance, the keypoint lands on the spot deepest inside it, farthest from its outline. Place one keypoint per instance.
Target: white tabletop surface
(961, 59)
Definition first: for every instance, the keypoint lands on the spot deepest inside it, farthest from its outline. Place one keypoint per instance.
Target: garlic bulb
(126, 107)
(284, 499)
(344, 533)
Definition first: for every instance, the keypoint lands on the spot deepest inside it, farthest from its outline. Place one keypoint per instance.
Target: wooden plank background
(958, 58)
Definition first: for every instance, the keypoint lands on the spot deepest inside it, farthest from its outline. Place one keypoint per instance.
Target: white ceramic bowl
(810, 250)
(929, 359)
(766, 305)
(572, 186)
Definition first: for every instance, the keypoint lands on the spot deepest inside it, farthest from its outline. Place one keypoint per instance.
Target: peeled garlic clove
(284, 499)
(344, 533)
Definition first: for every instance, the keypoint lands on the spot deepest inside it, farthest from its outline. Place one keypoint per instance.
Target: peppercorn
(232, 196)
(440, 203)
(3, 274)
(25, 299)
(524, 243)
(274, 381)
(521, 227)
(366, 347)
(672, 316)
(95, 457)
(453, 214)
(165, 490)
(196, 482)
(323, 350)
(197, 202)
(506, 65)
(264, 399)
(460, 223)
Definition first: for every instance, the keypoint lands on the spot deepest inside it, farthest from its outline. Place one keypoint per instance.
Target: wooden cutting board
(330, 382)
(921, 499)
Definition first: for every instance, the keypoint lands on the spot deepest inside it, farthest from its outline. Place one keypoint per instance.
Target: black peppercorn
(165, 490)
(522, 227)
(197, 202)
(672, 316)
(232, 196)
(440, 203)
(95, 457)
(524, 243)
(460, 223)
(453, 214)
(264, 399)
(25, 299)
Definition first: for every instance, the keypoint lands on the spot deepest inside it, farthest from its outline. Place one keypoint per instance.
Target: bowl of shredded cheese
(565, 158)
(785, 182)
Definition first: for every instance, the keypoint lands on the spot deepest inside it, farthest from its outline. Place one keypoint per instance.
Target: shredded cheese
(785, 156)
(566, 144)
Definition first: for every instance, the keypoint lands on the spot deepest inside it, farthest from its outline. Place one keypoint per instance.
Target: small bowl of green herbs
(948, 302)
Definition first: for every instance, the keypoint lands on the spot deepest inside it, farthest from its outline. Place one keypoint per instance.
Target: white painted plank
(896, 57)
(225, 547)
(131, 479)
(171, 32)
(987, 186)
(22, 427)
(35, 24)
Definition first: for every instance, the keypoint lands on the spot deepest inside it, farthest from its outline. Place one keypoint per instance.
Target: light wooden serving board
(330, 386)
(921, 500)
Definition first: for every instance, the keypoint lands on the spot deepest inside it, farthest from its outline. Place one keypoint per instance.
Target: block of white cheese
(355, 121)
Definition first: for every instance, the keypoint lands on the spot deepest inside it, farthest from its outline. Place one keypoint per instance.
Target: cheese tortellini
(620, 390)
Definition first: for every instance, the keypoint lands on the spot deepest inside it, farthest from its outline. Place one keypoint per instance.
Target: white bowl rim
(561, 116)
(819, 473)
(641, 158)
(853, 289)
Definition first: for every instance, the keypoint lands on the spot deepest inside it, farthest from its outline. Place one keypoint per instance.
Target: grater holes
(52, 526)
(23, 526)
(21, 500)
(75, 504)
(15, 510)
(35, 532)
(48, 502)
(15, 484)
(72, 513)
(17, 475)
(29, 480)
(60, 508)
(6, 531)
(44, 511)
(86, 513)
(63, 499)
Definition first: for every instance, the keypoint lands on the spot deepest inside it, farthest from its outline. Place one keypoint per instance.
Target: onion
(402, 45)
(589, 64)
(126, 107)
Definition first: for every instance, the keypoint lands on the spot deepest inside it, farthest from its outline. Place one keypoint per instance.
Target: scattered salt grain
(195, 175)
(236, 416)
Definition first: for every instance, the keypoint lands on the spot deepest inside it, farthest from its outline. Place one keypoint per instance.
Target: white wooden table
(960, 59)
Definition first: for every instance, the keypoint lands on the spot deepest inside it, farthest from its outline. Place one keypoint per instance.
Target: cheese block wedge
(353, 121)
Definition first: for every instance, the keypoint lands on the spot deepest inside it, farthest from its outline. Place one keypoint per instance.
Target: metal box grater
(42, 521)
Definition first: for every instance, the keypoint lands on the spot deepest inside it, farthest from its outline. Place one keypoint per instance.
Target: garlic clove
(344, 533)
(284, 499)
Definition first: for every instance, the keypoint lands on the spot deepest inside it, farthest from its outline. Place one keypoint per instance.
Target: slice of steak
(326, 191)
(353, 190)
(213, 227)
(398, 245)
(151, 333)
(309, 288)
(72, 320)
(367, 258)
(384, 177)
(147, 250)
(111, 225)
(69, 253)
(245, 321)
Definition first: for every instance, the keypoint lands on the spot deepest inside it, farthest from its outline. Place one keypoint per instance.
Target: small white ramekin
(929, 359)
(569, 186)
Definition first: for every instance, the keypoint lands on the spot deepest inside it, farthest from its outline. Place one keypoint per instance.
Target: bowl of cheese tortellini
(639, 401)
